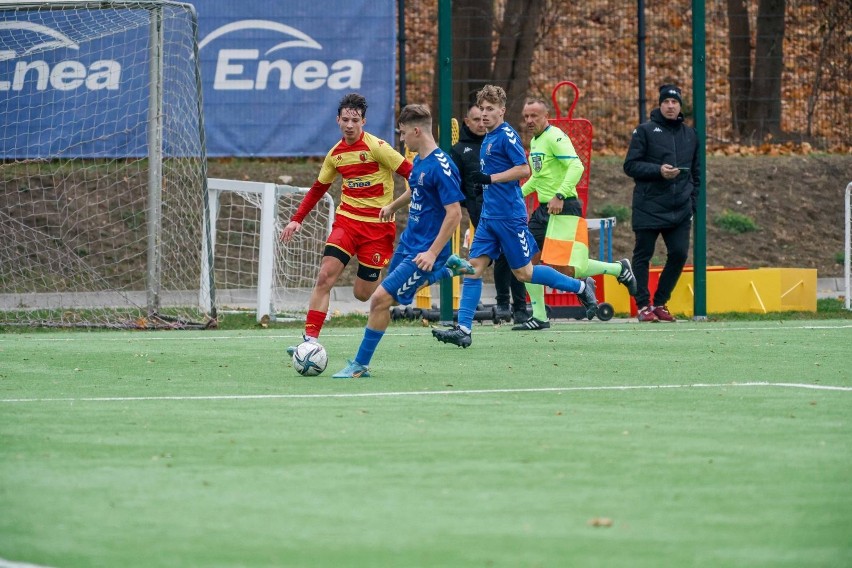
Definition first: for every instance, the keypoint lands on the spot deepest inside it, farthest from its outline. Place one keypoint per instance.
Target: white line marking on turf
(424, 393)
(567, 328)
(9, 564)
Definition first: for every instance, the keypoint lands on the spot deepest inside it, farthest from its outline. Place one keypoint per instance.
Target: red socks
(313, 323)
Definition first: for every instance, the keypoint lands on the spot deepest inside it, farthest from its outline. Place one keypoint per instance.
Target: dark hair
(415, 114)
(355, 102)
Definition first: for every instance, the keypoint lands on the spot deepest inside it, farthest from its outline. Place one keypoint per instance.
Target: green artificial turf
(694, 444)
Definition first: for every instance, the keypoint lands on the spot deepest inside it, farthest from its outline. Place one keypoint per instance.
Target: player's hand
(291, 229)
(425, 260)
(480, 177)
(386, 213)
(668, 171)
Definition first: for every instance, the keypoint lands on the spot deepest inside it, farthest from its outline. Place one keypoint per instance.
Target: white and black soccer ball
(310, 359)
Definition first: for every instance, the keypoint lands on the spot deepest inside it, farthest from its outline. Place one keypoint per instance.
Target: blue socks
(368, 345)
(438, 275)
(551, 277)
(471, 292)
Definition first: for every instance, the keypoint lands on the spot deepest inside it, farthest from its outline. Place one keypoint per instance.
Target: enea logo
(65, 75)
(245, 70)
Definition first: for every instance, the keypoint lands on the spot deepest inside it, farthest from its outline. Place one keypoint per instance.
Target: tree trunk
(764, 109)
(739, 62)
(513, 60)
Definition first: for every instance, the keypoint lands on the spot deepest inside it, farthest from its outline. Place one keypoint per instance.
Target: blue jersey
(435, 183)
(502, 150)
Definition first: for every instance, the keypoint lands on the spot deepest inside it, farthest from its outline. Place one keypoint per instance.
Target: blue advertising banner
(62, 95)
(273, 73)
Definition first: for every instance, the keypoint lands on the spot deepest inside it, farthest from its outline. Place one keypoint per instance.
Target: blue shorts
(405, 278)
(512, 237)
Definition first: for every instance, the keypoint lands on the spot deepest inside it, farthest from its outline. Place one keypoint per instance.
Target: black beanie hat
(670, 92)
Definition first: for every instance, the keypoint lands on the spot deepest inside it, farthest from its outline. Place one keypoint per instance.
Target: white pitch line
(424, 393)
(568, 328)
(9, 564)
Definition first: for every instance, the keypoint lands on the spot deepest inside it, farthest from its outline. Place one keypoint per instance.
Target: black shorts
(540, 217)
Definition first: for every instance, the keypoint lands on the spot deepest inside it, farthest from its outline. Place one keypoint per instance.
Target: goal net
(102, 165)
(254, 270)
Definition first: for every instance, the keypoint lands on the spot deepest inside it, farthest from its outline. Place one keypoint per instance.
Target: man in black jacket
(465, 154)
(663, 161)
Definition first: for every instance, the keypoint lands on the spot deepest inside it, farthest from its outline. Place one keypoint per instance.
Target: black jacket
(465, 154)
(659, 203)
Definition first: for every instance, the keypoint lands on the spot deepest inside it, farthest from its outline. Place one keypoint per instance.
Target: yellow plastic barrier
(761, 290)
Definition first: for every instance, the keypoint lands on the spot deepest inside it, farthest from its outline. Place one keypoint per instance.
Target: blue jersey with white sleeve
(434, 183)
(502, 150)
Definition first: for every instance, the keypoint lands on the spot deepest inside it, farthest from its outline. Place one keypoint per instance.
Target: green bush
(840, 258)
(620, 212)
(732, 222)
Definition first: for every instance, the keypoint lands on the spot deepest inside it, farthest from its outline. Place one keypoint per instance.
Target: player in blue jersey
(423, 254)
(503, 223)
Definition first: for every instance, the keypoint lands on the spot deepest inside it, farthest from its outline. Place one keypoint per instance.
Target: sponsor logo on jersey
(356, 183)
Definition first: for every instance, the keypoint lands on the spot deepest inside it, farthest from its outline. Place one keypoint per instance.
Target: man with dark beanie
(663, 161)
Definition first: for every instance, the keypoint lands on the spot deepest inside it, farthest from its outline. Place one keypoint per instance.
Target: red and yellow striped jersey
(367, 168)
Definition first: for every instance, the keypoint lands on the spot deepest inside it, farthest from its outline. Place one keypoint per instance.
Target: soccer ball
(310, 359)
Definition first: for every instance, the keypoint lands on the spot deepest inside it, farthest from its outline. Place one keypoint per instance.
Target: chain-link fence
(758, 88)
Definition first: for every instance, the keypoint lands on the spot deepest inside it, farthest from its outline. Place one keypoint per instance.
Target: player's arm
(452, 217)
(318, 189)
(388, 211)
(308, 202)
(512, 174)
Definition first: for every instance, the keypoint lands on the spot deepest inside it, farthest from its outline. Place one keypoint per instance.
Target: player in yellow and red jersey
(367, 164)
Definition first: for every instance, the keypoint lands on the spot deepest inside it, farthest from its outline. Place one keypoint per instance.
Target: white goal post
(253, 269)
(102, 165)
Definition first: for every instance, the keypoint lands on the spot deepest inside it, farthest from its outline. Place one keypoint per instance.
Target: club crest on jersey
(488, 149)
(536, 162)
(377, 258)
(363, 156)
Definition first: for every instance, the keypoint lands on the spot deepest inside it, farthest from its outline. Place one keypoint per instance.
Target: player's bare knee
(361, 295)
(524, 273)
(325, 281)
(380, 301)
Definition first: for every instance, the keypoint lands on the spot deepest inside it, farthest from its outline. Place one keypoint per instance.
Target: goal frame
(269, 194)
(154, 130)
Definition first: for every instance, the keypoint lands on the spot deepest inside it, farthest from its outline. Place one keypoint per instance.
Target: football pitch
(590, 444)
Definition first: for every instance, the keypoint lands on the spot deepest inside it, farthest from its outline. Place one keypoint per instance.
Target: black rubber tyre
(605, 311)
